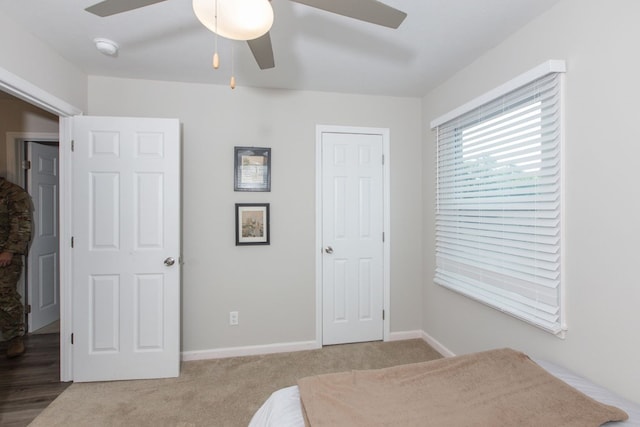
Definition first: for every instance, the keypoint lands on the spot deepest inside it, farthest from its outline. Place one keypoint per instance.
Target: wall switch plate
(233, 318)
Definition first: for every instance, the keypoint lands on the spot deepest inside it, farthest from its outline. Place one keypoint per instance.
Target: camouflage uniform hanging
(15, 235)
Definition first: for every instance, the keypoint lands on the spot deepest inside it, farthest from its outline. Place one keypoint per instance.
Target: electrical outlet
(233, 318)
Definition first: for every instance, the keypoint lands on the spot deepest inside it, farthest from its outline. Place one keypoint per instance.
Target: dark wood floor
(30, 382)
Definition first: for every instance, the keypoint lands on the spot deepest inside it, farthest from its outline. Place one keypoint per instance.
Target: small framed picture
(252, 169)
(252, 224)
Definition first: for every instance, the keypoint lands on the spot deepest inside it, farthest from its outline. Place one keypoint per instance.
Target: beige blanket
(493, 388)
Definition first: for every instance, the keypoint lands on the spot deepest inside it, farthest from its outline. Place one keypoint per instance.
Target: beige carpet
(221, 392)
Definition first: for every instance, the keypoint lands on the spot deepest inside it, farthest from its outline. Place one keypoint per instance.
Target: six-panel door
(126, 208)
(352, 227)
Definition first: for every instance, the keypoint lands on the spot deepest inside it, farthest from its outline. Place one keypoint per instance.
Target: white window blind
(498, 223)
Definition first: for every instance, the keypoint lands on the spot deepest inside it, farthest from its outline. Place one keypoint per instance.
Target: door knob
(169, 262)
(328, 250)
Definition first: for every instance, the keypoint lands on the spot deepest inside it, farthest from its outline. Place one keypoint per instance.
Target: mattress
(283, 408)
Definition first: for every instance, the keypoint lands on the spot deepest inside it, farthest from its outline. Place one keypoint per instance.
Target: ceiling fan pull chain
(233, 79)
(216, 58)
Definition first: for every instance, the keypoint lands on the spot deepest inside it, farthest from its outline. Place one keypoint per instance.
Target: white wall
(272, 287)
(599, 41)
(23, 55)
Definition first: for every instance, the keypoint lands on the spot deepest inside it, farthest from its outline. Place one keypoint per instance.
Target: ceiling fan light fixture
(236, 19)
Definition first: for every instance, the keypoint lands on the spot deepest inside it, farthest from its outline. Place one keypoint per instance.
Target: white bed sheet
(283, 409)
(596, 392)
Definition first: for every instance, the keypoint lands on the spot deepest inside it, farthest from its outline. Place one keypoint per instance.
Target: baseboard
(253, 350)
(256, 350)
(405, 335)
(436, 345)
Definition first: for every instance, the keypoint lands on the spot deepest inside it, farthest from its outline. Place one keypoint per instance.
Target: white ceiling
(314, 50)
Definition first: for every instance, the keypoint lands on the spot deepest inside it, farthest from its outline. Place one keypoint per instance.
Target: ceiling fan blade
(112, 7)
(364, 10)
(262, 51)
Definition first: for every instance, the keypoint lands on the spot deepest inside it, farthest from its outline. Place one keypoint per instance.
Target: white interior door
(43, 263)
(352, 233)
(126, 248)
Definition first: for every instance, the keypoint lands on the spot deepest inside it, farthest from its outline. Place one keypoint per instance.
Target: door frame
(386, 200)
(16, 143)
(34, 95)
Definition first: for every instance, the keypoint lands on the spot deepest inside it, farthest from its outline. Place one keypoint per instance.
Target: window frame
(556, 67)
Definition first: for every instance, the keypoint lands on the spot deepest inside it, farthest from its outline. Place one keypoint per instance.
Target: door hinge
(383, 160)
(72, 145)
(26, 164)
(72, 241)
(382, 314)
(383, 237)
(28, 308)
(71, 338)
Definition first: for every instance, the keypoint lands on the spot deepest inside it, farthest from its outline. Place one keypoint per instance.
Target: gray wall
(25, 56)
(599, 41)
(272, 287)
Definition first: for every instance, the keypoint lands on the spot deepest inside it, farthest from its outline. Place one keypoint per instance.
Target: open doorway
(34, 378)
(30, 151)
(62, 110)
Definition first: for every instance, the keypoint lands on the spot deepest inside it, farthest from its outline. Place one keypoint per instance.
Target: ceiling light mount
(106, 46)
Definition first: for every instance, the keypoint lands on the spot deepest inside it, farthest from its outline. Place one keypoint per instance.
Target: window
(498, 219)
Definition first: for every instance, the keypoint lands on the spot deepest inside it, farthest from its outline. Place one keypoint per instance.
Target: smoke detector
(106, 46)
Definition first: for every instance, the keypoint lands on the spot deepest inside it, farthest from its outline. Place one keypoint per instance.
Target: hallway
(30, 382)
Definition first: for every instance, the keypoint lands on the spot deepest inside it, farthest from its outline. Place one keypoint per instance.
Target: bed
(497, 387)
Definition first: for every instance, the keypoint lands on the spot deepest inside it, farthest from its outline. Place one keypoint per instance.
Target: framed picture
(252, 169)
(252, 224)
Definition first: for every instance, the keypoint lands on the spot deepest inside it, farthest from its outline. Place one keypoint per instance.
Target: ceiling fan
(371, 11)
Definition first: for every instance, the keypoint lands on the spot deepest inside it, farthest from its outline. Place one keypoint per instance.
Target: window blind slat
(505, 214)
(508, 305)
(498, 203)
(545, 303)
(524, 253)
(498, 219)
(545, 298)
(511, 232)
(470, 170)
(543, 182)
(535, 267)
